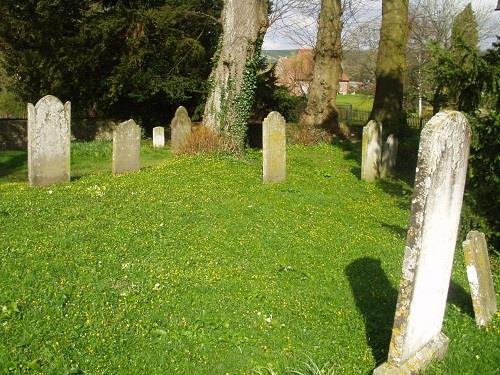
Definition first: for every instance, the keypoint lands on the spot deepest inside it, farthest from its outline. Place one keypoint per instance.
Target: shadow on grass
(376, 300)
(12, 162)
(459, 297)
(397, 230)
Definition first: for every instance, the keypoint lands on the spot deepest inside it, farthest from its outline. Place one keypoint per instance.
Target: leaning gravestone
(435, 213)
(158, 137)
(49, 140)
(274, 148)
(126, 147)
(389, 156)
(479, 275)
(180, 129)
(371, 151)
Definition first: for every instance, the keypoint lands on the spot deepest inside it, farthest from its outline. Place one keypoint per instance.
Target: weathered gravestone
(274, 148)
(180, 129)
(430, 245)
(479, 275)
(389, 156)
(49, 140)
(126, 147)
(158, 137)
(371, 150)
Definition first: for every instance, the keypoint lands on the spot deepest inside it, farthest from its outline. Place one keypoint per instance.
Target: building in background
(296, 73)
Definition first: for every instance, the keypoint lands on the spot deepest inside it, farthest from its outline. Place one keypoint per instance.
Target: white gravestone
(274, 148)
(49, 123)
(480, 279)
(371, 151)
(158, 137)
(435, 214)
(126, 147)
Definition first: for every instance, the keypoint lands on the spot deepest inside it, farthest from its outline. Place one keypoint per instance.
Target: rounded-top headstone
(49, 123)
(180, 129)
(274, 148)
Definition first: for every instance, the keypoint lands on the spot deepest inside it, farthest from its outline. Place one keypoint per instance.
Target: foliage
(464, 30)
(309, 135)
(121, 58)
(483, 199)
(204, 140)
(271, 97)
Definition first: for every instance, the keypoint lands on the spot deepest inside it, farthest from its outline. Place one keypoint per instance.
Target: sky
(302, 28)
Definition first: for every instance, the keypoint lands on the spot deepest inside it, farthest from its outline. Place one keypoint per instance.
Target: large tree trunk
(391, 64)
(233, 78)
(321, 108)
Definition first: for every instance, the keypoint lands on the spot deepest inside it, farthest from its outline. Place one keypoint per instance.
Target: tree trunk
(391, 65)
(321, 108)
(234, 74)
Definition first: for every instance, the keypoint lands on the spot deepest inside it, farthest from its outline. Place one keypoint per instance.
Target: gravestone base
(433, 350)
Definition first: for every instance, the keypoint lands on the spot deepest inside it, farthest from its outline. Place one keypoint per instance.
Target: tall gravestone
(274, 148)
(158, 137)
(49, 123)
(435, 214)
(389, 156)
(180, 129)
(126, 147)
(371, 151)
(479, 275)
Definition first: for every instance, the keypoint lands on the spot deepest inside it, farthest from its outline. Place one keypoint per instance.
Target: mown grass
(86, 158)
(358, 101)
(193, 266)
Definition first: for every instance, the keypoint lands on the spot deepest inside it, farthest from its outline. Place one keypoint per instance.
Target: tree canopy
(120, 58)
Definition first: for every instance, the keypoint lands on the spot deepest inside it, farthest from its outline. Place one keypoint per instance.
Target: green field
(193, 266)
(359, 102)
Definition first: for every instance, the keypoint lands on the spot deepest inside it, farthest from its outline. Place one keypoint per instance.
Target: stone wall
(13, 132)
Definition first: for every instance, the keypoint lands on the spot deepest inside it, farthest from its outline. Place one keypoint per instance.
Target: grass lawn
(359, 102)
(193, 266)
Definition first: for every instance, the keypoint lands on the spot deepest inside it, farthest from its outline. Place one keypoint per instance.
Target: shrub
(308, 135)
(483, 180)
(206, 141)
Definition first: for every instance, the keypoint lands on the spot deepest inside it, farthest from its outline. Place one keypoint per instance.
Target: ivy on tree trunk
(234, 74)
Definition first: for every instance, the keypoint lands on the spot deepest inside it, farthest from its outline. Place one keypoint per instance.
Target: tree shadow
(459, 297)
(12, 163)
(376, 299)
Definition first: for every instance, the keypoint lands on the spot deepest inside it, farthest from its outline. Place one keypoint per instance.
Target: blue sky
(303, 25)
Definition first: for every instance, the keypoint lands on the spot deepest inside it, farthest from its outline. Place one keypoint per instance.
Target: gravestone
(480, 279)
(389, 156)
(371, 151)
(126, 147)
(158, 137)
(274, 148)
(49, 123)
(180, 129)
(435, 214)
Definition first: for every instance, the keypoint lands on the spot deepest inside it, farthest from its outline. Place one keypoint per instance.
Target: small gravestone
(371, 151)
(479, 275)
(389, 156)
(180, 129)
(435, 214)
(126, 147)
(158, 137)
(49, 123)
(274, 148)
